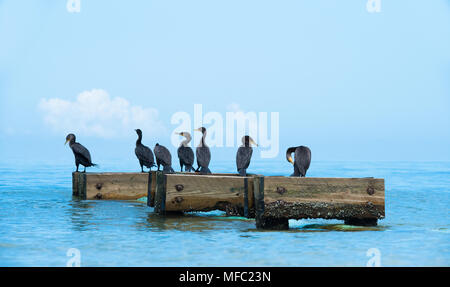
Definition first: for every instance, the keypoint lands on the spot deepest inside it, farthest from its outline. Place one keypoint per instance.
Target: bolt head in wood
(281, 190)
(177, 199)
(179, 187)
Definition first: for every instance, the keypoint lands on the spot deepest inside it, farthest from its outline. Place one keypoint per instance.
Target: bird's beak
(253, 142)
(290, 160)
(198, 130)
(66, 142)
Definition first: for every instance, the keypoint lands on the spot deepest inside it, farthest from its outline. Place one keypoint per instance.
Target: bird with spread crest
(203, 154)
(302, 159)
(244, 155)
(143, 153)
(185, 153)
(82, 155)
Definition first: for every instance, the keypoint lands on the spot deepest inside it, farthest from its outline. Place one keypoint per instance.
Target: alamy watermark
(373, 6)
(375, 257)
(228, 131)
(75, 257)
(73, 6)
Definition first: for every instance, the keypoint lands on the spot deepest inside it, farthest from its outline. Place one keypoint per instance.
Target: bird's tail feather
(189, 168)
(242, 172)
(168, 169)
(205, 170)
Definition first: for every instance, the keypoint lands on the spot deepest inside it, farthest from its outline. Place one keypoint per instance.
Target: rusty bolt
(98, 196)
(179, 187)
(178, 199)
(98, 186)
(281, 189)
(370, 190)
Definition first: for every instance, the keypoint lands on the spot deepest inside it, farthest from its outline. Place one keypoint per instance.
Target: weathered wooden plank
(117, 186)
(186, 192)
(81, 185)
(274, 199)
(74, 184)
(160, 193)
(150, 191)
(329, 198)
(258, 194)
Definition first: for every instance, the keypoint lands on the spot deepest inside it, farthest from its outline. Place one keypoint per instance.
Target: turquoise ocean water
(40, 222)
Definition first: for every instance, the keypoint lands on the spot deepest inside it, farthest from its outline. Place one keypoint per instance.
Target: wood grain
(329, 198)
(331, 190)
(117, 186)
(280, 197)
(206, 192)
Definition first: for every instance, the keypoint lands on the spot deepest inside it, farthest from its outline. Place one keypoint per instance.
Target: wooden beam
(271, 199)
(151, 188)
(80, 182)
(112, 186)
(160, 193)
(75, 184)
(189, 192)
(258, 193)
(329, 198)
(264, 222)
(118, 185)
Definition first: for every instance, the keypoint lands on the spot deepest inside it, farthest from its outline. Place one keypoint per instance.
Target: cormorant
(82, 155)
(244, 154)
(143, 153)
(185, 153)
(302, 159)
(163, 157)
(203, 154)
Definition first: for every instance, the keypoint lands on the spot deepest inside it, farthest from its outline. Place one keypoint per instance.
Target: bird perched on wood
(302, 160)
(244, 154)
(203, 154)
(185, 153)
(82, 155)
(163, 157)
(143, 153)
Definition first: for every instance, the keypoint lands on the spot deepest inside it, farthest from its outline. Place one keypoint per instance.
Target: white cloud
(95, 113)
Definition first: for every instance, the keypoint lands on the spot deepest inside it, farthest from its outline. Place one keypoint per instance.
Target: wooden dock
(271, 200)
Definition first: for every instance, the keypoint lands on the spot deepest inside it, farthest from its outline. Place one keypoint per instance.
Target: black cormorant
(203, 154)
(302, 159)
(185, 153)
(143, 153)
(82, 155)
(244, 154)
(163, 157)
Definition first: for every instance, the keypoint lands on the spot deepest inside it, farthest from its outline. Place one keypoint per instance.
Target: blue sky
(349, 84)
